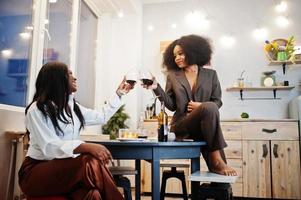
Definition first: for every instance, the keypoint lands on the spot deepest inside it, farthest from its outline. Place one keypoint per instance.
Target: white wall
(240, 18)
(120, 51)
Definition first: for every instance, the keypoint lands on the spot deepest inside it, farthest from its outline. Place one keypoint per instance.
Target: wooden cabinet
(265, 153)
(233, 136)
(270, 157)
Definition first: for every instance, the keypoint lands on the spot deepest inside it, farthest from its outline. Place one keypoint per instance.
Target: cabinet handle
(265, 150)
(269, 130)
(275, 150)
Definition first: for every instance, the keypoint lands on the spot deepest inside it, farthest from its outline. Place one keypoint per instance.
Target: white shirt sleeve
(93, 117)
(44, 139)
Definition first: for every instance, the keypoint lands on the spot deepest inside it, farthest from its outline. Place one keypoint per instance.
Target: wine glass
(131, 77)
(146, 77)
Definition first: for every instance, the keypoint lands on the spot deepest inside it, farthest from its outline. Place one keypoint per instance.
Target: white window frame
(37, 45)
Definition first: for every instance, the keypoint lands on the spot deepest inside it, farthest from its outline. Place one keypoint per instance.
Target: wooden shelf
(283, 63)
(272, 63)
(260, 88)
(272, 88)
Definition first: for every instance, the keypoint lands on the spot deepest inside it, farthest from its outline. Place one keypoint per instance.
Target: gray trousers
(202, 124)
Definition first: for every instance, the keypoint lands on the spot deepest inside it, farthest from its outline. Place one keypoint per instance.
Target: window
(86, 55)
(15, 40)
(57, 32)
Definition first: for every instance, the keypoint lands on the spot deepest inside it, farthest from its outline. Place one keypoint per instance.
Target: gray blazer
(178, 93)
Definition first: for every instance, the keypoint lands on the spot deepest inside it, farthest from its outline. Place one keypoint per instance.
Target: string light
(227, 41)
(260, 33)
(282, 21)
(281, 7)
(25, 35)
(173, 25)
(120, 14)
(30, 28)
(197, 20)
(150, 27)
(6, 53)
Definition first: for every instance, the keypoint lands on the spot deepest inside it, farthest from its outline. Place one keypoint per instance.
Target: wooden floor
(166, 198)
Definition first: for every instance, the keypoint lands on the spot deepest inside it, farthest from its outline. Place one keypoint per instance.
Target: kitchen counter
(244, 120)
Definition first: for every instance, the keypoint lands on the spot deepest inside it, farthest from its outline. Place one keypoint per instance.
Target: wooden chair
(119, 173)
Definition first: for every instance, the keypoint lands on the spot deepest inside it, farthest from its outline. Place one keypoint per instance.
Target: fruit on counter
(244, 115)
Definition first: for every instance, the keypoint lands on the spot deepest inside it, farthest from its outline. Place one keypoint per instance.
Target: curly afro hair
(197, 50)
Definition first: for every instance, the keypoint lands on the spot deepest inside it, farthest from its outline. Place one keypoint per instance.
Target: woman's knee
(88, 159)
(209, 107)
(93, 195)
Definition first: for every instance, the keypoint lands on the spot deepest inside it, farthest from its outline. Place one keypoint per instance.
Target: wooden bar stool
(219, 187)
(174, 173)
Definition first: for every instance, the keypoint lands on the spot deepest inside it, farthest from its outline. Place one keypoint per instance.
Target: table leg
(138, 179)
(195, 166)
(156, 174)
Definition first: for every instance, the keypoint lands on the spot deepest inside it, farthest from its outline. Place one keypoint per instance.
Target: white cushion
(211, 177)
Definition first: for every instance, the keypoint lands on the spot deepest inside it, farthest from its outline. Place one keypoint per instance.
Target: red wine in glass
(147, 82)
(131, 82)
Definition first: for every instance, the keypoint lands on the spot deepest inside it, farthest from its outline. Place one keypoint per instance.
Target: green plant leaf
(116, 122)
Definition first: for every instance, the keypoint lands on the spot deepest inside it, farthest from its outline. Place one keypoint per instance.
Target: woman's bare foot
(219, 166)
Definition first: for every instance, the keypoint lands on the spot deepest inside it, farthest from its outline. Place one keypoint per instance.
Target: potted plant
(280, 49)
(116, 122)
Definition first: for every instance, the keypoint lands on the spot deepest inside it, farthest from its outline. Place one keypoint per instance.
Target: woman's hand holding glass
(124, 87)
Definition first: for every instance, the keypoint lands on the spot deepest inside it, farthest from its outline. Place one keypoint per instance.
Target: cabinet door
(256, 169)
(286, 169)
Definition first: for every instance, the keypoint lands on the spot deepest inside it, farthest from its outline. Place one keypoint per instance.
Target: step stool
(219, 187)
(174, 173)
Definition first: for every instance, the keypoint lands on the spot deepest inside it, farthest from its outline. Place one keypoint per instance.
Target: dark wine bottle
(162, 124)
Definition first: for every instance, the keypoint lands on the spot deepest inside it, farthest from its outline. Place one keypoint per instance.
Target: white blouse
(45, 144)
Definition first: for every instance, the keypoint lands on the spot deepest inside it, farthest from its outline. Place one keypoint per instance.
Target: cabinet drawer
(270, 131)
(231, 130)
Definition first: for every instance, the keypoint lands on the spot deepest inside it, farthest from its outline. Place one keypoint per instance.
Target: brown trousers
(203, 124)
(83, 177)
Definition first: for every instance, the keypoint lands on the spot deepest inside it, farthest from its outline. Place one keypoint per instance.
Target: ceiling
(157, 1)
